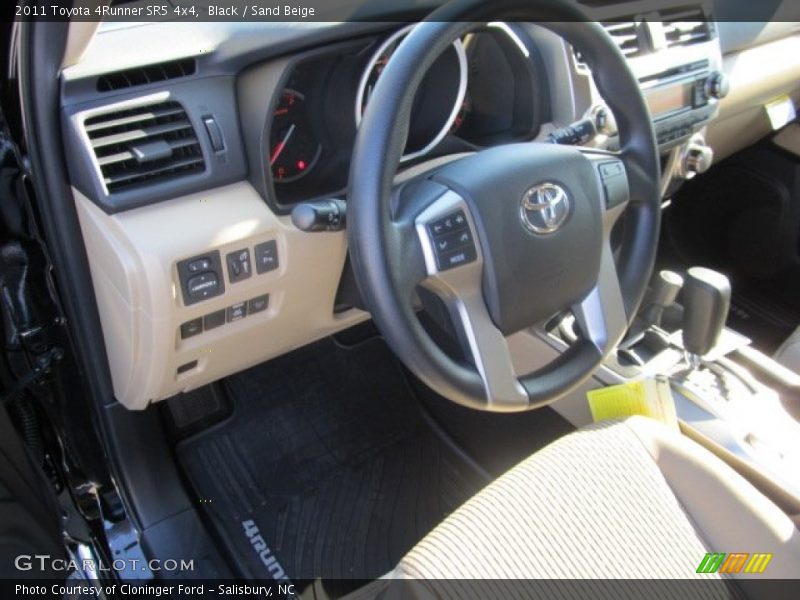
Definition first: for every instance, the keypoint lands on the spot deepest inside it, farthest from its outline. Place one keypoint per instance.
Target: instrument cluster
(487, 88)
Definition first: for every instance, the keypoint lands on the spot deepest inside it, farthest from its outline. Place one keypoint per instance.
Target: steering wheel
(506, 237)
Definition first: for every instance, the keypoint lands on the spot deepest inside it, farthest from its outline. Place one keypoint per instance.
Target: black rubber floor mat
(762, 317)
(328, 458)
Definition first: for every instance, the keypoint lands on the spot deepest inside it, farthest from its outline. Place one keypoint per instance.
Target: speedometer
(293, 147)
(438, 101)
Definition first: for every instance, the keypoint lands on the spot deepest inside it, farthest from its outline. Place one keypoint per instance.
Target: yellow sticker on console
(648, 398)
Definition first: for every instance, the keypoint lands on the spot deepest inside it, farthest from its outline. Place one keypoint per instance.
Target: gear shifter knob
(706, 300)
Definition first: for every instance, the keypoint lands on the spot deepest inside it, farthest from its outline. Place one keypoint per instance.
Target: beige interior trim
(725, 509)
(783, 498)
(789, 140)
(757, 75)
(133, 257)
(79, 37)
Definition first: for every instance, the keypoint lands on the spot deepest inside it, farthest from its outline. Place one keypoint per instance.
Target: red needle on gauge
(276, 152)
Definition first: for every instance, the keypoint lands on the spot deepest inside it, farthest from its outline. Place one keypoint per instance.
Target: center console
(675, 54)
(729, 397)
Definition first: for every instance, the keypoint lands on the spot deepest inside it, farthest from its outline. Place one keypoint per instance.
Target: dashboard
(487, 88)
(189, 144)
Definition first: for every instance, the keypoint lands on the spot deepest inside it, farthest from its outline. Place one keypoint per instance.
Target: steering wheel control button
(201, 277)
(615, 183)
(452, 241)
(259, 304)
(457, 258)
(191, 328)
(448, 224)
(239, 266)
(237, 312)
(267, 257)
(214, 320)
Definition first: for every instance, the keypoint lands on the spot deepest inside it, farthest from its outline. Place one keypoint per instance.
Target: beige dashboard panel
(757, 75)
(133, 258)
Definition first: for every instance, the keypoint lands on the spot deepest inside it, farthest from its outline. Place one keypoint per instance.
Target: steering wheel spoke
(489, 350)
(601, 314)
(454, 263)
(407, 259)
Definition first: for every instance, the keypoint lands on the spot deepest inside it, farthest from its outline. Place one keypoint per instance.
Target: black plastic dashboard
(496, 95)
(288, 123)
(240, 81)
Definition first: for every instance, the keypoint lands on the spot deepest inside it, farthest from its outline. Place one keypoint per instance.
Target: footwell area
(329, 455)
(762, 316)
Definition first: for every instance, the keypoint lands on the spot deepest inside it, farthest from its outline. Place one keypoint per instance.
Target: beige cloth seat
(789, 353)
(627, 499)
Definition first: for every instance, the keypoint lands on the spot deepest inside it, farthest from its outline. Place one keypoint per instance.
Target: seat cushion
(626, 499)
(789, 353)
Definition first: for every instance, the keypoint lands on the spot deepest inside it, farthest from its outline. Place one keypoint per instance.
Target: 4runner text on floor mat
(264, 553)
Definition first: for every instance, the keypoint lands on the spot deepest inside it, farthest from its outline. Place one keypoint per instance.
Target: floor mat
(762, 317)
(329, 456)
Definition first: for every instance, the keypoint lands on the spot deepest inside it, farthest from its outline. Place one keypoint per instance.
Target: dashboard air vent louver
(144, 145)
(145, 75)
(627, 35)
(685, 26)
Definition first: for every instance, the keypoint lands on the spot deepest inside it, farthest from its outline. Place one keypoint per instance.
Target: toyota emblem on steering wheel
(545, 208)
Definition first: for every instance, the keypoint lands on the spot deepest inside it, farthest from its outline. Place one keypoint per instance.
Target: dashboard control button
(202, 286)
(718, 86)
(191, 328)
(214, 133)
(259, 304)
(199, 265)
(266, 257)
(214, 320)
(237, 312)
(201, 277)
(239, 266)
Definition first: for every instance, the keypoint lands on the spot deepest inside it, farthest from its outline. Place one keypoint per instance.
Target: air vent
(145, 75)
(685, 26)
(144, 145)
(627, 35)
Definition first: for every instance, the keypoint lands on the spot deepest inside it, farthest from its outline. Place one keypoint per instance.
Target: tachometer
(438, 101)
(293, 148)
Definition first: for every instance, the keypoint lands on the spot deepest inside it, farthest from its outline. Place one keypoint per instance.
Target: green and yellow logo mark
(737, 562)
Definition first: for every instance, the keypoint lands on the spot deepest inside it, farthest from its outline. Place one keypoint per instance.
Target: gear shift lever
(706, 300)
